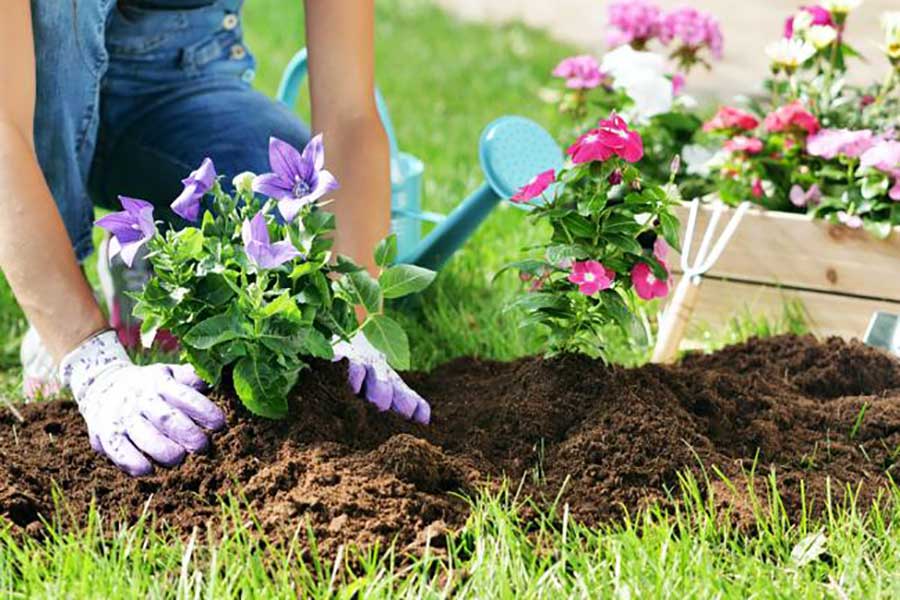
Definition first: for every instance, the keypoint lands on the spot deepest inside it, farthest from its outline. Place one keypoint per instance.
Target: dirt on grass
(610, 438)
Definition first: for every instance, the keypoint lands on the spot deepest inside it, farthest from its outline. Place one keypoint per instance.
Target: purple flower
(298, 178)
(693, 29)
(197, 184)
(580, 72)
(632, 22)
(851, 221)
(130, 228)
(260, 250)
(810, 197)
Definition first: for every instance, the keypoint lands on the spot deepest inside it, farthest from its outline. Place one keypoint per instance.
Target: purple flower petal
(187, 204)
(285, 160)
(314, 154)
(272, 185)
(259, 249)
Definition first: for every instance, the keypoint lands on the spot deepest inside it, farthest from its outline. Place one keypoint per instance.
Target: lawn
(444, 80)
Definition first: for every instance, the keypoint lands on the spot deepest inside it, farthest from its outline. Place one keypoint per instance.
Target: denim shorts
(132, 96)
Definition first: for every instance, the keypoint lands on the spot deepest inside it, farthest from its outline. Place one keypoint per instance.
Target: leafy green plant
(258, 295)
(611, 231)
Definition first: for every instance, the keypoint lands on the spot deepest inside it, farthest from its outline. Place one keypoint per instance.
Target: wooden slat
(829, 314)
(795, 251)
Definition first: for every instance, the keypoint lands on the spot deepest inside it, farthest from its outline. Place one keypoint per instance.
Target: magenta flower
(196, 185)
(632, 22)
(756, 188)
(646, 284)
(693, 29)
(678, 81)
(791, 117)
(611, 137)
(591, 276)
(661, 250)
(130, 228)
(851, 221)
(829, 143)
(298, 179)
(580, 72)
(535, 187)
(742, 143)
(260, 250)
(810, 197)
(728, 118)
(818, 14)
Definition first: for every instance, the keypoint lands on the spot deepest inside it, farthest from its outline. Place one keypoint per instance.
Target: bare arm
(35, 252)
(341, 39)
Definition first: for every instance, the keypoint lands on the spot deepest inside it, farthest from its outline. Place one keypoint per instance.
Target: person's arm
(340, 36)
(35, 252)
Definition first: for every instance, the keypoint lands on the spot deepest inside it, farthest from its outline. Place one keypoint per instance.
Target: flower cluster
(611, 234)
(254, 292)
(637, 22)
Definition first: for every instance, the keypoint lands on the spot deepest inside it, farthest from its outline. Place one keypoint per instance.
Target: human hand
(370, 374)
(137, 413)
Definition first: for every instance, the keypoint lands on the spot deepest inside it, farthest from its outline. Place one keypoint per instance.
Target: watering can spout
(511, 151)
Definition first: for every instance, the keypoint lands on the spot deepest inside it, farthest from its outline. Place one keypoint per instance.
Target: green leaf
(263, 388)
(403, 280)
(283, 307)
(670, 229)
(214, 330)
(318, 222)
(364, 290)
(388, 336)
(386, 251)
(188, 244)
(346, 265)
(578, 225)
(878, 229)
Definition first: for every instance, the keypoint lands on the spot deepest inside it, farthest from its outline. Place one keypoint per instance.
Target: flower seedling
(611, 231)
(250, 286)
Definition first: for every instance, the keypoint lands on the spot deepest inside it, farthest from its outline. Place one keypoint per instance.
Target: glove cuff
(81, 367)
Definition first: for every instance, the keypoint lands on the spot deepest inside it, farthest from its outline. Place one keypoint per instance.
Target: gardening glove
(136, 413)
(370, 373)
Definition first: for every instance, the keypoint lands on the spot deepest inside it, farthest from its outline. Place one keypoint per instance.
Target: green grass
(445, 80)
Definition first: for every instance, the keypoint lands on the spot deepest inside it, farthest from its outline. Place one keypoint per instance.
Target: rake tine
(689, 235)
(711, 228)
(725, 237)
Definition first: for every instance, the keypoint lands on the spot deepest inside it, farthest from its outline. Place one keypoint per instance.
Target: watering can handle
(289, 92)
(675, 320)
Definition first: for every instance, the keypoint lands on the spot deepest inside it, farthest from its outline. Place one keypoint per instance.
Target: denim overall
(132, 96)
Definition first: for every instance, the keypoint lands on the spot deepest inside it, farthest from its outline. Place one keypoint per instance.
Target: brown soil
(613, 437)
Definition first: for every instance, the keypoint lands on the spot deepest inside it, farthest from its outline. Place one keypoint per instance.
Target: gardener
(103, 98)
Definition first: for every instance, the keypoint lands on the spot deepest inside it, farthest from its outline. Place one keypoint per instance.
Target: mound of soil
(612, 438)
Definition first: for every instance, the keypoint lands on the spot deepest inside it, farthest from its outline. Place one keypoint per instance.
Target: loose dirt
(612, 439)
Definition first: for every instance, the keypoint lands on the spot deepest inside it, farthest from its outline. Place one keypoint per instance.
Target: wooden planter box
(840, 275)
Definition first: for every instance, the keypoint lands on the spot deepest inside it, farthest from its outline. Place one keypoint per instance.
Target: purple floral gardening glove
(135, 413)
(370, 374)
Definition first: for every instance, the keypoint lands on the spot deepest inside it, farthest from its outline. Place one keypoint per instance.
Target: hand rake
(678, 313)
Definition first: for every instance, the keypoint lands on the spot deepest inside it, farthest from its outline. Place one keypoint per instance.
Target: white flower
(820, 36)
(642, 76)
(243, 182)
(890, 23)
(840, 6)
(803, 20)
(699, 160)
(790, 53)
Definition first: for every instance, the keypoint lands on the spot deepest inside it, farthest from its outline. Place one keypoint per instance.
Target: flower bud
(244, 182)
(675, 165)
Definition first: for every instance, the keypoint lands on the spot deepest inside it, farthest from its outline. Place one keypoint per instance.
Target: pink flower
(611, 137)
(632, 22)
(820, 16)
(742, 143)
(661, 250)
(591, 277)
(884, 156)
(799, 198)
(791, 116)
(678, 82)
(729, 118)
(757, 188)
(646, 284)
(828, 143)
(851, 221)
(692, 28)
(535, 187)
(580, 72)
(894, 192)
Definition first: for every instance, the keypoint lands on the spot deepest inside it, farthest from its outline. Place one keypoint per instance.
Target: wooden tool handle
(675, 320)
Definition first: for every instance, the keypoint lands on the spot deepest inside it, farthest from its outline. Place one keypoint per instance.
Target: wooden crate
(840, 275)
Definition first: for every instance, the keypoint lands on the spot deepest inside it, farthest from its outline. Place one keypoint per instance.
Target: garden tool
(511, 150)
(884, 332)
(678, 313)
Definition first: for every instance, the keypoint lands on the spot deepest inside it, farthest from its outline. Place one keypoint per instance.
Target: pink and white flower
(742, 143)
(728, 118)
(646, 284)
(611, 138)
(535, 186)
(808, 16)
(791, 117)
(632, 22)
(591, 276)
(692, 28)
(801, 198)
(829, 143)
(851, 221)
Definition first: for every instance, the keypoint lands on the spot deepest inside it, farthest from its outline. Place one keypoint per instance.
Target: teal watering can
(511, 151)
